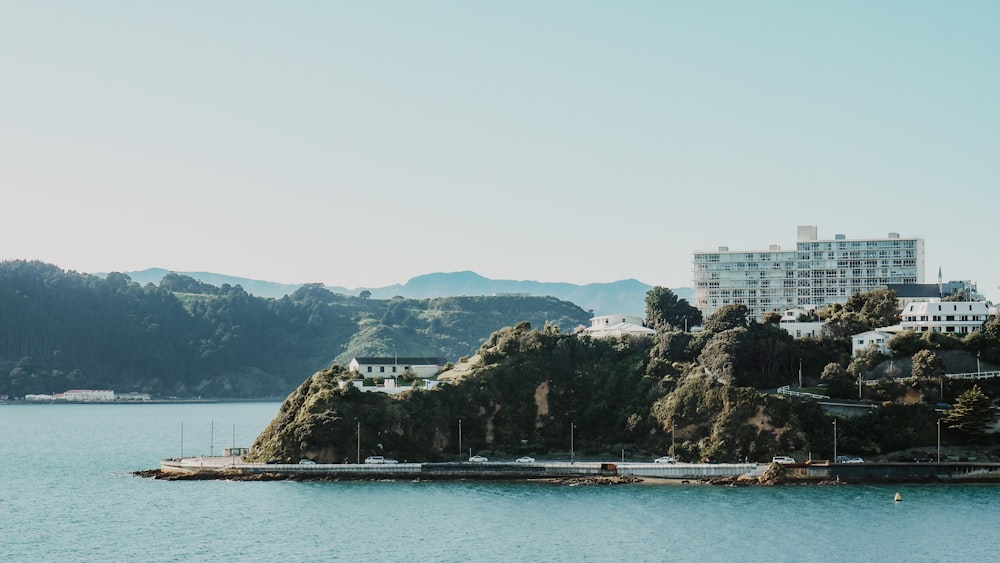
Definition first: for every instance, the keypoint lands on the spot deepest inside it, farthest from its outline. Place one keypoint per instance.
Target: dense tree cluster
(62, 330)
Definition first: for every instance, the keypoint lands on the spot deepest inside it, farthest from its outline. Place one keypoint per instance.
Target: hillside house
(956, 318)
(396, 366)
(615, 326)
(877, 339)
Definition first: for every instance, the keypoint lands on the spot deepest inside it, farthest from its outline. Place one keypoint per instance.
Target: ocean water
(67, 494)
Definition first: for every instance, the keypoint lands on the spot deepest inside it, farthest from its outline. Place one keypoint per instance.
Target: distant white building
(877, 339)
(87, 396)
(950, 317)
(615, 326)
(817, 272)
(396, 366)
(791, 324)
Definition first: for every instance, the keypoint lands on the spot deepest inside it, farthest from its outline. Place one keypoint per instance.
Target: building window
(369, 369)
(381, 369)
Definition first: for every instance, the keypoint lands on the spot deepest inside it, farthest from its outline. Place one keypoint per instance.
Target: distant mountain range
(620, 297)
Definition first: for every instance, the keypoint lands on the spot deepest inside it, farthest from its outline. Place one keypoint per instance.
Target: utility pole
(460, 437)
(358, 459)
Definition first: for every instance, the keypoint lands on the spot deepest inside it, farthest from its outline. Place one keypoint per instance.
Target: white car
(665, 459)
(389, 460)
(525, 459)
(477, 459)
(374, 459)
(782, 459)
(306, 462)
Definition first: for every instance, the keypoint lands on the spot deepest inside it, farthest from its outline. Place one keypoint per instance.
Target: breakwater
(226, 467)
(742, 473)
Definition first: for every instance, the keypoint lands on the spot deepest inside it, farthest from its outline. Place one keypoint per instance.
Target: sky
(360, 144)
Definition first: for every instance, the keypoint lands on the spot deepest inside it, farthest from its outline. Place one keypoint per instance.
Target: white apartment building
(817, 273)
(956, 317)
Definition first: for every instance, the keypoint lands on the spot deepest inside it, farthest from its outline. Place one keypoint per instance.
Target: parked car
(525, 459)
(374, 459)
(665, 459)
(782, 459)
(477, 459)
(389, 460)
(855, 460)
(922, 459)
(306, 462)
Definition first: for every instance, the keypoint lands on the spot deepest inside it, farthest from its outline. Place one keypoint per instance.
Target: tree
(972, 413)
(862, 312)
(727, 317)
(928, 364)
(838, 383)
(664, 308)
(365, 294)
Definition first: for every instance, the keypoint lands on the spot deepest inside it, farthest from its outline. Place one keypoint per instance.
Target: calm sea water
(67, 494)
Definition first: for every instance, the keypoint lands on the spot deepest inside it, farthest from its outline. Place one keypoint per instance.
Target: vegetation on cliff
(698, 396)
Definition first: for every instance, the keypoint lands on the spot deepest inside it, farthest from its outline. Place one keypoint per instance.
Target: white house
(614, 326)
(791, 324)
(949, 317)
(395, 366)
(877, 338)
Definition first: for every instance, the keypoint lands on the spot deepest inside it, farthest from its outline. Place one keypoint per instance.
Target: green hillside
(183, 338)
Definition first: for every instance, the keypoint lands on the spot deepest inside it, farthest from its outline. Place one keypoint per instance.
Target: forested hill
(63, 330)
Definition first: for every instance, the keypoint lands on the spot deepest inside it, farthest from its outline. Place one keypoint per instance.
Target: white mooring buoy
(898, 497)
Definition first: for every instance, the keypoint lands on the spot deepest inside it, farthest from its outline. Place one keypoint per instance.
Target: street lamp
(460, 437)
(572, 451)
(835, 440)
(939, 441)
(358, 460)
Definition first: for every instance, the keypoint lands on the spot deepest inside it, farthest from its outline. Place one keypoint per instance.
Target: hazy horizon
(361, 145)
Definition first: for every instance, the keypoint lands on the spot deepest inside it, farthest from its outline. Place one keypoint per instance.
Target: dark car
(922, 459)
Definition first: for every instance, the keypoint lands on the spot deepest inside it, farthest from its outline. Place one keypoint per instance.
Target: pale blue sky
(364, 143)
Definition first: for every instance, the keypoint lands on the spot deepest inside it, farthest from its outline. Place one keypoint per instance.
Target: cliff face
(530, 391)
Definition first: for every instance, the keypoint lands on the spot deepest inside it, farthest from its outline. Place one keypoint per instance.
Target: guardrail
(786, 390)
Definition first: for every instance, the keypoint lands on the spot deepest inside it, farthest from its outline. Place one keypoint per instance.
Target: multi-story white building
(950, 317)
(817, 273)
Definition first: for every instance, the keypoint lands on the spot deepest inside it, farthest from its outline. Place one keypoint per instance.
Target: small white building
(949, 317)
(878, 339)
(615, 326)
(87, 396)
(395, 366)
(791, 324)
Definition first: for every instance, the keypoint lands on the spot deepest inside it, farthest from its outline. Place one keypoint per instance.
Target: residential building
(801, 322)
(951, 317)
(819, 272)
(396, 366)
(614, 326)
(878, 338)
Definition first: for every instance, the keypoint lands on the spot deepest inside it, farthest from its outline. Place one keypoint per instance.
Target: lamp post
(460, 437)
(939, 441)
(672, 442)
(572, 451)
(835, 440)
(358, 459)
(978, 369)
